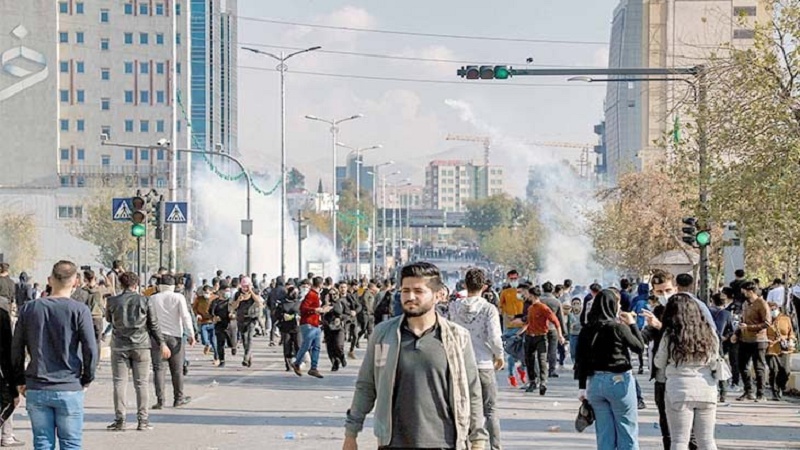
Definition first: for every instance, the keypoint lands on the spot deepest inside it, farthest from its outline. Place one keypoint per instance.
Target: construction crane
(583, 162)
(486, 140)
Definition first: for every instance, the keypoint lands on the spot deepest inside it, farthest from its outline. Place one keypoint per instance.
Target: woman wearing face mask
(603, 369)
(223, 316)
(781, 345)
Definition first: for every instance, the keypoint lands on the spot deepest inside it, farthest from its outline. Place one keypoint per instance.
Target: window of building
(160, 68)
(80, 94)
(105, 129)
(160, 97)
(144, 68)
(80, 67)
(128, 126)
(104, 44)
(161, 182)
(105, 104)
(144, 182)
(64, 181)
(105, 160)
(160, 152)
(63, 66)
(178, 68)
(160, 38)
(64, 94)
(128, 154)
(70, 212)
(80, 125)
(178, 38)
(105, 74)
(159, 9)
(128, 96)
(63, 7)
(128, 67)
(144, 126)
(177, 9)
(144, 96)
(81, 154)
(144, 9)
(178, 126)
(143, 38)
(144, 154)
(104, 15)
(80, 182)
(64, 154)
(744, 11)
(128, 9)
(63, 37)
(128, 38)
(79, 37)
(744, 34)
(64, 124)
(159, 126)
(79, 8)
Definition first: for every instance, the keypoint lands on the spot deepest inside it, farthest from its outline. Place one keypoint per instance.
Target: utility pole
(302, 233)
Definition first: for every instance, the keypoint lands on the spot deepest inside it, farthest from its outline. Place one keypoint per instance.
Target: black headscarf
(604, 309)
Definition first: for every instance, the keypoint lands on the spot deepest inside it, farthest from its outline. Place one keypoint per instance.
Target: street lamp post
(282, 68)
(395, 217)
(334, 138)
(375, 174)
(247, 224)
(357, 151)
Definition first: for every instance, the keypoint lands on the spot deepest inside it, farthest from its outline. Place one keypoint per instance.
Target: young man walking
(481, 319)
(430, 361)
(311, 335)
(134, 323)
(540, 321)
(753, 342)
(57, 376)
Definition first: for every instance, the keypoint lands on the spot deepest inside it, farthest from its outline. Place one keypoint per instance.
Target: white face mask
(514, 283)
(663, 299)
(775, 313)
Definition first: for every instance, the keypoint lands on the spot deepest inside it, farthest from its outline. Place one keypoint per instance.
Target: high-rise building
(348, 172)
(79, 69)
(449, 184)
(663, 33)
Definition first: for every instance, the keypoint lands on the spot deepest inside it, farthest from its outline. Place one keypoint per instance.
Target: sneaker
(745, 396)
(542, 390)
(144, 426)
(12, 441)
(159, 405)
(775, 397)
(552, 375)
(315, 373)
(531, 387)
(182, 402)
(206, 350)
(641, 405)
(641, 370)
(215, 363)
(521, 374)
(344, 362)
(351, 355)
(117, 425)
(221, 364)
(296, 369)
(335, 367)
(759, 398)
(512, 380)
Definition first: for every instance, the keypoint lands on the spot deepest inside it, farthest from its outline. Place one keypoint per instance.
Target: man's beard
(421, 311)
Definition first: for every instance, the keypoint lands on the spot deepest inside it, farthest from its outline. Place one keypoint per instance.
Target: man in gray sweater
(549, 299)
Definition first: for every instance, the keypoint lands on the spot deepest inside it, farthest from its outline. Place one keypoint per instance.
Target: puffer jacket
(133, 322)
(376, 378)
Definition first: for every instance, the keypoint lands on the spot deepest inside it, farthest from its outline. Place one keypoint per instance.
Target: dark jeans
(334, 344)
(225, 336)
(7, 394)
(661, 389)
(175, 363)
(97, 323)
(248, 330)
(757, 353)
(778, 371)
(536, 348)
(352, 334)
(137, 361)
(552, 351)
(291, 344)
(733, 357)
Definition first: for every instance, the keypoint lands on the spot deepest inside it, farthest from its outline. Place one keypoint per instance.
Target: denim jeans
(510, 360)
(207, 335)
(56, 412)
(175, 363)
(573, 346)
(311, 338)
(613, 397)
(489, 390)
(137, 361)
(552, 351)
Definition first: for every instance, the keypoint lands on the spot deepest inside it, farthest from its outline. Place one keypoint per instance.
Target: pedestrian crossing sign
(177, 212)
(121, 209)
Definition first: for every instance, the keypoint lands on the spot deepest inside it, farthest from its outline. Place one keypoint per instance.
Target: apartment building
(449, 184)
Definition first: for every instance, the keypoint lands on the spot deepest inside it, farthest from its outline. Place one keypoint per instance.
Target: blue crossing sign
(176, 212)
(121, 209)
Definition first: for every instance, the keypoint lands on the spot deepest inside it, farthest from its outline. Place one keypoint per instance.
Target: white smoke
(220, 206)
(564, 197)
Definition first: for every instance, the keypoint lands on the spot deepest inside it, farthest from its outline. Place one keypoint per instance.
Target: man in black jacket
(9, 397)
(276, 296)
(134, 323)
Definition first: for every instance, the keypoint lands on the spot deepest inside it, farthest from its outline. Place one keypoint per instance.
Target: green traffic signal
(138, 230)
(501, 73)
(703, 238)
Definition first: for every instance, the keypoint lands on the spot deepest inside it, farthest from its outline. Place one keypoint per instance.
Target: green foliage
(295, 180)
(19, 240)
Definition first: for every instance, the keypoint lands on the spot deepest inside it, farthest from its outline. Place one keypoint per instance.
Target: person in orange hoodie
(200, 306)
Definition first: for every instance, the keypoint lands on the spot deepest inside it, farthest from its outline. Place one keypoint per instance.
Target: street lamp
(375, 173)
(334, 132)
(282, 68)
(395, 218)
(357, 151)
(247, 224)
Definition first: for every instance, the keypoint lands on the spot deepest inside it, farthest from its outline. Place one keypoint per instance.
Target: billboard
(28, 88)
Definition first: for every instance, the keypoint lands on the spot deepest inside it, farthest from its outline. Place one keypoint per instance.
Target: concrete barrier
(794, 378)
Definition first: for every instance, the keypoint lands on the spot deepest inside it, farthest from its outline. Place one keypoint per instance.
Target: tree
(295, 180)
(350, 214)
(518, 247)
(485, 214)
(19, 239)
(113, 239)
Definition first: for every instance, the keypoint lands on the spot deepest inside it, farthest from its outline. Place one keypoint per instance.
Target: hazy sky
(412, 119)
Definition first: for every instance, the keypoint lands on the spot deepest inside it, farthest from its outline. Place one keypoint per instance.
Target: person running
(687, 354)
(431, 362)
(753, 341)
(781, 345)
(174, 320)
(248, 306)
(310, 310)
(537, 329)
(56, 333)
(604, 360)
(549, 299)
(276, 296)
(287, 322)
(334, 325)
(511, 305)
(201, 308)
(481, 319)
(223, 316)
(134, 324)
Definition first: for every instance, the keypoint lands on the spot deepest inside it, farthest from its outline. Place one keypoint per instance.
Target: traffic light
(692, 236)
(138, 217)
(485, 72)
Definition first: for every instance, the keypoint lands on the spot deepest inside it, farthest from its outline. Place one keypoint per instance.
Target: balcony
(141, 170)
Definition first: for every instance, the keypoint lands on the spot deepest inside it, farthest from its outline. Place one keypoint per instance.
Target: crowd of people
(441, 347)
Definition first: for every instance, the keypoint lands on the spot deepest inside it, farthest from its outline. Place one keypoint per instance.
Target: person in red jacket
(310, 310)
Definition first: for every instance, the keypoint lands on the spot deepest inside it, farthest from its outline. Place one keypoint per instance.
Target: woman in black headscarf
(604, 358)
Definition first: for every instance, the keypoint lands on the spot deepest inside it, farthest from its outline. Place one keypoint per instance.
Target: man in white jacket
(173, 315)
(482, 321)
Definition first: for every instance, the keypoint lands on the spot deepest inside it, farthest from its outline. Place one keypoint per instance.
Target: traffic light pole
(703, 175)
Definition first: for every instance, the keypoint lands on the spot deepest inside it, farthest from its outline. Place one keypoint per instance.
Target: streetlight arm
(310, 49)
(262, 52)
